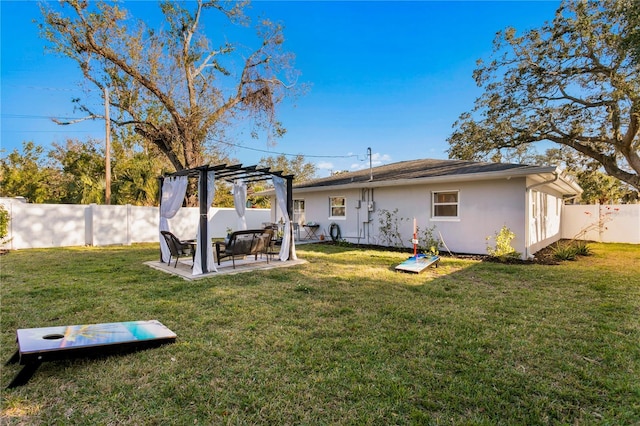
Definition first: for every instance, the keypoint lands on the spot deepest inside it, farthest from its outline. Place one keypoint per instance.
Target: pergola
(172, 192)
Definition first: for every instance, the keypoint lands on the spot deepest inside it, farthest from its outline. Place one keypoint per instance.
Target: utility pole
(107, 138)
(370, 165)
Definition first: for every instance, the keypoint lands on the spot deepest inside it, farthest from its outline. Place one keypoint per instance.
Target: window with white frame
(337, 207)
(298, 211)
(445, 204)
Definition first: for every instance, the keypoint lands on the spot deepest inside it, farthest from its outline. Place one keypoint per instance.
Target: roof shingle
(412, 169)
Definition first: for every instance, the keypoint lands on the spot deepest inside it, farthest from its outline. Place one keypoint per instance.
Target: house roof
(436, 171)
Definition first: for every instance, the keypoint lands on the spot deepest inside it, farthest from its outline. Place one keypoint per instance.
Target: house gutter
(503, 174)
(556, 176)
(427, 180)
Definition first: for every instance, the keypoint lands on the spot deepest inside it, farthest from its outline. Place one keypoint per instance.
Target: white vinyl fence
(64, 225)
(603, 223)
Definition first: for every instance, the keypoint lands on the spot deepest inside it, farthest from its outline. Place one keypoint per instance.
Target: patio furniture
(245, 243)
(178, 247)
(311, 229)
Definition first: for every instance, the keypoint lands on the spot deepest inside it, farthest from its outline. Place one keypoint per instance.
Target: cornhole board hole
(418, 263)
(37, 345)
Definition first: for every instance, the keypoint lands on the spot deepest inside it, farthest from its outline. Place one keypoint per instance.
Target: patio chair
(178, 247)
(245, 243)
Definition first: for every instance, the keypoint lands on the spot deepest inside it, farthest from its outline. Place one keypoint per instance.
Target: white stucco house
(465, 201)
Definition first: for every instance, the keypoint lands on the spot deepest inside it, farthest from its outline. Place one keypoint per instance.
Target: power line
(26, 116)
(285, 153)
(30, 116)
(49, 89)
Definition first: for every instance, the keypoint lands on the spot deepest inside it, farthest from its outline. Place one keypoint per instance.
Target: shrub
(582, 248)
(430, 245)
(570, 250)
(503, 249)
(390, 228)
(4, 224)
(564, 251)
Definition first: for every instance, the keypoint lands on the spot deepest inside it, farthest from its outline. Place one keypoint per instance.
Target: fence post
(88, 225)
(129, 221)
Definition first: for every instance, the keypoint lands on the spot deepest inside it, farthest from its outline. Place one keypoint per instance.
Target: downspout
(527, 239)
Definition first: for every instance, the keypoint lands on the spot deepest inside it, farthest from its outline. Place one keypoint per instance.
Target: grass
(342, 339)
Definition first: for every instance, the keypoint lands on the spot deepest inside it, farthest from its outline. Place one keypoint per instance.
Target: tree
(29, 174)
(574, 82)
(83, 171)
(73, 173)
(168, 83)
(301, 170)
(598, 187)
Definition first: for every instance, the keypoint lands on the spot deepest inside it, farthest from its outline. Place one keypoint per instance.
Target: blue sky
(392, 76)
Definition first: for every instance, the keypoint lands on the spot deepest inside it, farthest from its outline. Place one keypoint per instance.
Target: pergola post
(290, 211)
(204, 209)
(160, 183)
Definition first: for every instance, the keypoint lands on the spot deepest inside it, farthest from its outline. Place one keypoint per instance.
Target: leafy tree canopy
(73, 173)
(297, 166)
(170, 83)
(574, 82)
(29, 174)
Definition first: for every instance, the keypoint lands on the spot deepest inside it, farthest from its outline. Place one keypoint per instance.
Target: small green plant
(564, 251)
(582, 248)
(570, 250)
(389, 228)
(4, 225)
(344, 243)
(430, 244)
(503, 249)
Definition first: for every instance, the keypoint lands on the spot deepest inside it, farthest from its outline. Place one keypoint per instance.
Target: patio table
(312, 231)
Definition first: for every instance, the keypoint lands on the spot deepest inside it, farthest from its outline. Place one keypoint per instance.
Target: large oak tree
(170, 82)
(575, 82)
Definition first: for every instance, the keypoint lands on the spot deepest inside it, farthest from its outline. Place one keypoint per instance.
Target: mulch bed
(542, 257)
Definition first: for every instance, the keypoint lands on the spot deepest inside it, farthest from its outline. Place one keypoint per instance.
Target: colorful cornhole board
(37, 345)
(418, 263)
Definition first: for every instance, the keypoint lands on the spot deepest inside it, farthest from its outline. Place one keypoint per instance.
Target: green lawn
(342, 339)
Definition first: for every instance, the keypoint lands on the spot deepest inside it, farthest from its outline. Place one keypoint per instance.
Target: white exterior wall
(317, 210)
(484, 207)
(544, 218)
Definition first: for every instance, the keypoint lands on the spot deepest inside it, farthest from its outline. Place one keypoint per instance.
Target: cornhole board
(418, 263)
(37, 345)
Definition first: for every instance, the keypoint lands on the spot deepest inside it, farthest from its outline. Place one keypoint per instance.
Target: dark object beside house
(245, 243)
(178, 247)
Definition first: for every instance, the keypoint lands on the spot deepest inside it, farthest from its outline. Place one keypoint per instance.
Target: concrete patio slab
(248, 264)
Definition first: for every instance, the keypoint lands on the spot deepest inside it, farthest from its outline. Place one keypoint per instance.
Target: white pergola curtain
(173, 191)
(205, 240)
(281, 198)
(240, 202)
